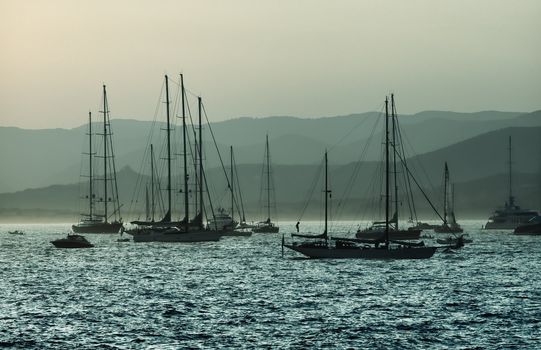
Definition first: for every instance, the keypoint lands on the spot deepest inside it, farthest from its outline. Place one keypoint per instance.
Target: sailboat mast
(393, 112)
(153, 207)
(147, 209)
(168, 149)
(452, 209)
(231, 186)
(186, 204)
(445, 191)
(90, 189)
(386, 171)
(241, 212)
(326, 192)
(199, 103)
(105, 111)
(268, 175)
(511, 200)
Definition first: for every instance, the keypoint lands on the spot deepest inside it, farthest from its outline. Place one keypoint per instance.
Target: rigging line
(262, 184)
(419, 163)
(139, 181)
(273, 187)
(373, 195)
(409, 187)
(419, 186)
(193, 94)
(374, 201)
(192, 153)
(216, 146)
(116, 203)
(365, 119)
(209, 201)
(238, 189)
(357, 167)
(81, 176)
(311, 190)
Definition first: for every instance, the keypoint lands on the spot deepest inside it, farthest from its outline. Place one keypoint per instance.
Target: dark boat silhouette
(185, 230)
(94, 221)
(324, 247)
(449, 220)
(531, 228)
(72, 241)
(390, 226)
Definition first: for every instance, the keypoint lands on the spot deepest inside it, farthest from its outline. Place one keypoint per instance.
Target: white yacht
(511, 215)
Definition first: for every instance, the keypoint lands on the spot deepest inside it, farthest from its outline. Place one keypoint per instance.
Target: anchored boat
(267, 226)
(72, 241)
(96, 220)
(449, 221)
(325, 247)
(511, 215)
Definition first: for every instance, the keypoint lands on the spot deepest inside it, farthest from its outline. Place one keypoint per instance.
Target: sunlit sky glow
(258, 58)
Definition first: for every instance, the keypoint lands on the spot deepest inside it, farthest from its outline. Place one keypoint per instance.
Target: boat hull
(266, 229)
(399, 235)
(72, 243)
(175, 236)
(528, 230)
(448, 229)
(510, 222)
(501, 225)
(452, 241)
(235, 233)
(323, 252)
(110, 227)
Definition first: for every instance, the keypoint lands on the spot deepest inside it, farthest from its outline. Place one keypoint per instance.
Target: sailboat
(511, 215)
(325, 247)
(378, 228)
(96, 222)
(449, 221)
(267, 226)
(181, 231)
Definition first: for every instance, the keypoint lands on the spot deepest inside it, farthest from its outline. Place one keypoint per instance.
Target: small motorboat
(16, 232)
(72, 241)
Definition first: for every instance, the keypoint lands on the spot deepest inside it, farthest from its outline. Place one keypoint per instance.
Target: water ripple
(240, 293)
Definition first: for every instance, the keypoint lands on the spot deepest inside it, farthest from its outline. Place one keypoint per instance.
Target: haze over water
(241, 293)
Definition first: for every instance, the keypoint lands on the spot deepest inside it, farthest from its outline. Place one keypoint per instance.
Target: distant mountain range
(478, 167)
(37, 158)
(474, 145)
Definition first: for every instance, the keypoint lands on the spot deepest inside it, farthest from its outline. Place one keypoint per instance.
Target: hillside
(38, 158)
(476, 196)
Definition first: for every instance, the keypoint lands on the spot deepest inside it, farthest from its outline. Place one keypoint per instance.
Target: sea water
(241, 293)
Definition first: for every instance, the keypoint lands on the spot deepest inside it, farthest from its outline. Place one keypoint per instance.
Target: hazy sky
(259, 58)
